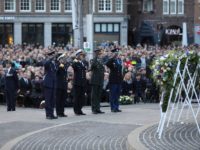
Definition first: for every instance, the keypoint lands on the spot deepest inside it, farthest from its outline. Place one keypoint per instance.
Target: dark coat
(139, 86)
(126, 88)
(50, 75)
(61, 77)
(115, 71)
(24, 87)
(11, 80)
(97, 69)
(79, 73)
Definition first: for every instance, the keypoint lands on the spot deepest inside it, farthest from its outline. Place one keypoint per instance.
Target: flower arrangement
(164, 69)
(125, 100)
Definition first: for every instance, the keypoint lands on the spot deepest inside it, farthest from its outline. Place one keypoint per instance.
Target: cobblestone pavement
(176, 137)
(85, 135)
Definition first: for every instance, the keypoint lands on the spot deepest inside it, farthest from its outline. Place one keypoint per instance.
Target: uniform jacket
(97, 69)
(115, 71)
(61, 77)
(50, 74)
(79, 73)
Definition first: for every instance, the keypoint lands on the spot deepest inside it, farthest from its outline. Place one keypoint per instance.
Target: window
(55, 5)
(180, 6)
(9, 5)
(40, 5)
(25, 5)
(119, 5)
(105, 5)
(107, 27)
(68, 5)
(165, 7)
(172, 6)
(147, 5)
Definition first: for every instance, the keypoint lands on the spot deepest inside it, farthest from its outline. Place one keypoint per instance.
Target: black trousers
(79, 98)
(49, 94)
(60, 101)
(96, 97)
(10, 99)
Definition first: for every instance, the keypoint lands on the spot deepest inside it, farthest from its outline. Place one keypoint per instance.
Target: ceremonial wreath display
(125, 100)
(165, 67)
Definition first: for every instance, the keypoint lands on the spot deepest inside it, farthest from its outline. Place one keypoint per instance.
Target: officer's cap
(79, 52)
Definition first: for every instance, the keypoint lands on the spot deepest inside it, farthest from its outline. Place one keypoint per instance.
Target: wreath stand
(176, 106)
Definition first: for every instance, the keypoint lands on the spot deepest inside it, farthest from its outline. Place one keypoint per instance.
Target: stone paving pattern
(85, 135)
(175, 137)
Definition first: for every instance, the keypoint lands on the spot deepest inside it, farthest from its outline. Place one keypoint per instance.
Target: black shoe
(82, 113)
(118, 110)
(100, 112)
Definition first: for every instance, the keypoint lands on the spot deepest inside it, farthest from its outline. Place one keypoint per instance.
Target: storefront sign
(173, 31)
(7, 18)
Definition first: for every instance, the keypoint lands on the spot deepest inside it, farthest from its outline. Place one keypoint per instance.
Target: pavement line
(134, 142)
(10, 144)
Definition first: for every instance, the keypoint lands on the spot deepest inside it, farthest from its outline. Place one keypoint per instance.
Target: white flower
(168, 68)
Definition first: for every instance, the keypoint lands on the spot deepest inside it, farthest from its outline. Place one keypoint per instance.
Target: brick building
(49, 21)
(160, 21)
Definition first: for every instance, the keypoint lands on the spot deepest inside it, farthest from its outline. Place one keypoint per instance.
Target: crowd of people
(63, 76)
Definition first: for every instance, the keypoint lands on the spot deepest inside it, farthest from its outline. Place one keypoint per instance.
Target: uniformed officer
(61, 87)
(49, 84)
(97, 78)
(115, 80)
(11, 86)
(79, 82)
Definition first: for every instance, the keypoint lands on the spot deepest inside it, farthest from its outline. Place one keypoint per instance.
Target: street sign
(86, 46)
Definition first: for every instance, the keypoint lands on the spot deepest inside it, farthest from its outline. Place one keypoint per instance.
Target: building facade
(160, 21)
(50, 21)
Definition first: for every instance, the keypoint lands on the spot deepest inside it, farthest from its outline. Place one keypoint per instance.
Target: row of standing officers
(55, 83)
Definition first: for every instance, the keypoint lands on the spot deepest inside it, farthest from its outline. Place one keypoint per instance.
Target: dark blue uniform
(49, 84)
(11, 87)
(79, 86)
(115, 80)
(61, 88)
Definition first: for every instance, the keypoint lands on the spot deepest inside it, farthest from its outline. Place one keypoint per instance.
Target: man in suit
(11, 86)
(115, 80)
(79, 82)
(97, 79)
(25, 87)
(61, 87)
(49, 84)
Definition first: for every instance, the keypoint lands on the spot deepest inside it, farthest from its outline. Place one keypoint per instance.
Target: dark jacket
(139, 86)
(50, 75)
(127, 88)
(25, 86)
(115, 71)
(79, 73)
(11, 80)
(61, 77)
(97, 69)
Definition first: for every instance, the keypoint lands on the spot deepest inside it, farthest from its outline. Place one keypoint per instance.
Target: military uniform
(115, 81)
(79, 86)
(49, 88)
(61, 89)
(97, 80)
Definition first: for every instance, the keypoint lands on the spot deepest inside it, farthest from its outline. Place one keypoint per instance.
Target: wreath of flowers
(125, 100)
(164, 69)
